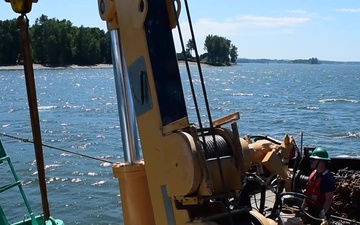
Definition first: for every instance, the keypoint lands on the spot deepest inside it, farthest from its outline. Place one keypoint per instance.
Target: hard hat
(320, 154)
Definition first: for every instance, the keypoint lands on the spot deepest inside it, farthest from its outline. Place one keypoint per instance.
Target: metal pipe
(125, 102)
(131, 108)
(23, 24)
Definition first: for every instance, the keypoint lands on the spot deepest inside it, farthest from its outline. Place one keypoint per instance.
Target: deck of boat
(287, 212)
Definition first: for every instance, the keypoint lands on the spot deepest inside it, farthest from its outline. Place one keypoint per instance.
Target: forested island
(296, 61)
(60, 43)
(55, 43)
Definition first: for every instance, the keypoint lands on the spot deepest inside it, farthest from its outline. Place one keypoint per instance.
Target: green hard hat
(320, 153)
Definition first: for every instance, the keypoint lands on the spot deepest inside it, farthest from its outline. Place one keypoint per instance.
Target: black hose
(275, 213)
(244, 197)
(295, 167)
(262, 199)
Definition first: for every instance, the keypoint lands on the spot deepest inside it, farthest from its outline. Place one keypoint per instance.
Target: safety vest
(313, 188)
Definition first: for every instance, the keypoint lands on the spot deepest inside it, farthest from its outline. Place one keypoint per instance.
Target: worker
(320, 186)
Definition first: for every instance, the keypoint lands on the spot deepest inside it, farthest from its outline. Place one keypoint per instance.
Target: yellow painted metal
(285, 148)
(134, 193)
(230, 173)
(176, 181)
(260, 148)
(170, 7)
(247, 153)
(183, 174)
(176, 125)
(21, 6)
(262, 219)
(156, 147)
(273, 163)
(226, 119)
(107, 13)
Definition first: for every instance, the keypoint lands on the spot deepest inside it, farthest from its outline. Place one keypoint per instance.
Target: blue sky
(279, 29)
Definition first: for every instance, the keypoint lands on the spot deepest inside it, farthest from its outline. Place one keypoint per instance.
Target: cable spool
(211, 147)
(299, 181)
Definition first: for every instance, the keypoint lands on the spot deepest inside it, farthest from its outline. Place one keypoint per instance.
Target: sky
(278, 29)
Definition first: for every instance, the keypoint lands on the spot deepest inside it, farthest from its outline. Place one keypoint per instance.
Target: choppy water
(78, 112)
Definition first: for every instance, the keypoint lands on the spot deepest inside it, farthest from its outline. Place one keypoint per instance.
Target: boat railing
(13, 184)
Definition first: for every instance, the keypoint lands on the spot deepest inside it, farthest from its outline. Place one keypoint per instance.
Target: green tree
(306, 61)
(314, 61)
(233, 53)
(65, 32)
(183, 55)
(51, 41)
(105, 51)
(190, 46)
(86, 48)
(9, 42)
(60, 43)
(218, 49)
(39, 33)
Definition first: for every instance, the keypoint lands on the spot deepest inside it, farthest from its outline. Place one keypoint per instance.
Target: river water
(78, 112)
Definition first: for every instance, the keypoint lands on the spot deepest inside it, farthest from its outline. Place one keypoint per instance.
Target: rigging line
(56, 148)
(197, 110)
(188, 69)
(198, 63)
(212, 130)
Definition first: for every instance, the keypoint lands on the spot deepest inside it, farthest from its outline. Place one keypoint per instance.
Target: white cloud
(263, 21)
(207, 25)
(204, 27)
(242, 25)
(235, 25)
(354, 10)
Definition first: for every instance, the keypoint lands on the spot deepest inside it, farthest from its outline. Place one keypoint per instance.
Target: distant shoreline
(181, 62)
(42, 67)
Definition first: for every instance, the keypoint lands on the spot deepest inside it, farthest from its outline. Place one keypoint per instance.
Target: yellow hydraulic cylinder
(135, 195)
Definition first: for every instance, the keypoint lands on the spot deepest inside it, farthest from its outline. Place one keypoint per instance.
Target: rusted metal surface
(347, 195)
(23, 25)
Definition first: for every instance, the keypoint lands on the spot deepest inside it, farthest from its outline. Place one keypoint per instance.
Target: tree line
(58, 42)
(296, 61)
(55, 42)
(219, 51)
(306, 61)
